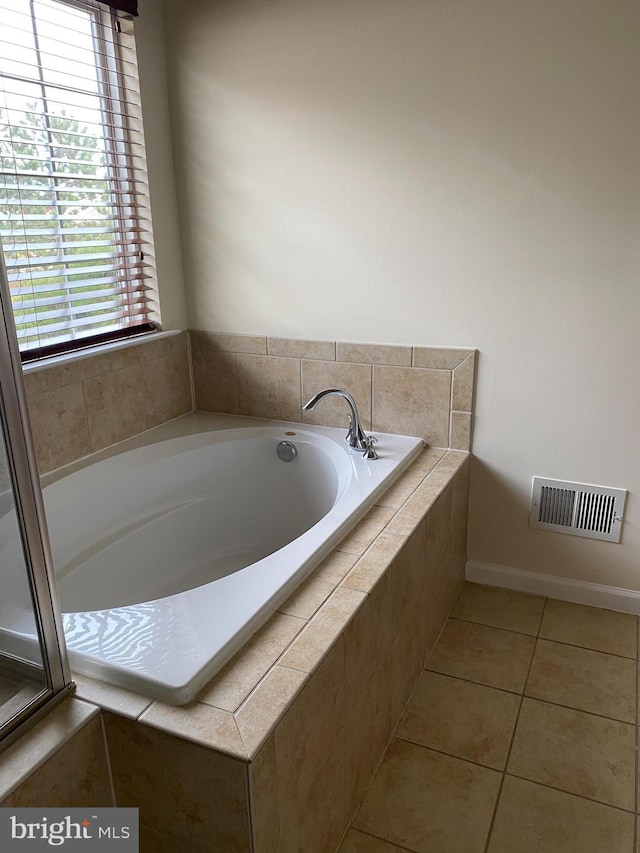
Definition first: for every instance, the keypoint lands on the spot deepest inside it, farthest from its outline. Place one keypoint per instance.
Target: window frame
(127, 194)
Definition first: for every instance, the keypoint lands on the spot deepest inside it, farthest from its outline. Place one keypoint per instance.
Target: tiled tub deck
(276, 753)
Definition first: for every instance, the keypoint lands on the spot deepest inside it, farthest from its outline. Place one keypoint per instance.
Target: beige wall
(162, 188)
(437, 173)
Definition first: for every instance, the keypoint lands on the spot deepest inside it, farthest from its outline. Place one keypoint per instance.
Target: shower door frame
(30, 513)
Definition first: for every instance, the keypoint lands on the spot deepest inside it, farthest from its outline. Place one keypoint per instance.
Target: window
(74, 212)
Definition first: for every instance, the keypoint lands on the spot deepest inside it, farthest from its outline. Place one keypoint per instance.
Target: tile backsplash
(84, 405)
(421, 391)
(87, 404)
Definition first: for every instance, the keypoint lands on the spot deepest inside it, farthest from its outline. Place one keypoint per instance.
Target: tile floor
(520, 736)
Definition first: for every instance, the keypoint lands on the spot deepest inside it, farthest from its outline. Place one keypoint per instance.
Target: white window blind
(75, 222)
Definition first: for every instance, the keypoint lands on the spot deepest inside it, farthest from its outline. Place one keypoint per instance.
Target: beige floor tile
(486, 655)
(358, 842)
(501, 608)
(463, 719)
(577, 752)
(584, 679)
(427, 801)
(590, 627)
(536, 819)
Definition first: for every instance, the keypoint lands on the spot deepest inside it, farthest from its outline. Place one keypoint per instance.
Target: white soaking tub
(170, 555)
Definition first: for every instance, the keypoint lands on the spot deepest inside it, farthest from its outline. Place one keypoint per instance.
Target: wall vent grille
(577, 509)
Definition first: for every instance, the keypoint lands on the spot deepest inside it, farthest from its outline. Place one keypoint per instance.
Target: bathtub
(170, 555)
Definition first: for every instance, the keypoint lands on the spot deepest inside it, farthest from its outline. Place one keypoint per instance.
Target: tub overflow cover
(287, 451)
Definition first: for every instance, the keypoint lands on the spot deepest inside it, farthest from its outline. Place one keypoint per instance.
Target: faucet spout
(355, 436)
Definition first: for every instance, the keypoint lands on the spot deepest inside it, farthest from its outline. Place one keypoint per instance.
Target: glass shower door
(22, 671)
(34, 670)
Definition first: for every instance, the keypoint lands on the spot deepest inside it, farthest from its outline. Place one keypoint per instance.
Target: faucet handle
(370, 452)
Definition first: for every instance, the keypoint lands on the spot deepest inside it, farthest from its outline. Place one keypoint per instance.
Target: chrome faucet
(356, 437)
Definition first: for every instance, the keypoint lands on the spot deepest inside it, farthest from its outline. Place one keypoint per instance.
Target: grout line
(546, 639)
(451, 381)
(378, 838)
(586, 649)
(425, 663)
(86, 416)
(250, 797)
(477, 683)
(496, 628)
(570, 793)
(578, 710)
(453, 755)
(504, 772)
(373, 390)
(105, 743)
(236, 381)
(192, 381)
(525, 695)
(513, 733)
(514, 776)
(249, 759)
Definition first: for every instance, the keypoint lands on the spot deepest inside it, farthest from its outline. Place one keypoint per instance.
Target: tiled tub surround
(409, 390)
(276, 752)
(85, 404)
(90, 402)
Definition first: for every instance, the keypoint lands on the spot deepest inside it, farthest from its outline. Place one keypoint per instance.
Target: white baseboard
(566, 589)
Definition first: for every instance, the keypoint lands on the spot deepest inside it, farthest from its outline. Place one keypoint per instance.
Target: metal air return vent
(577, 509)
